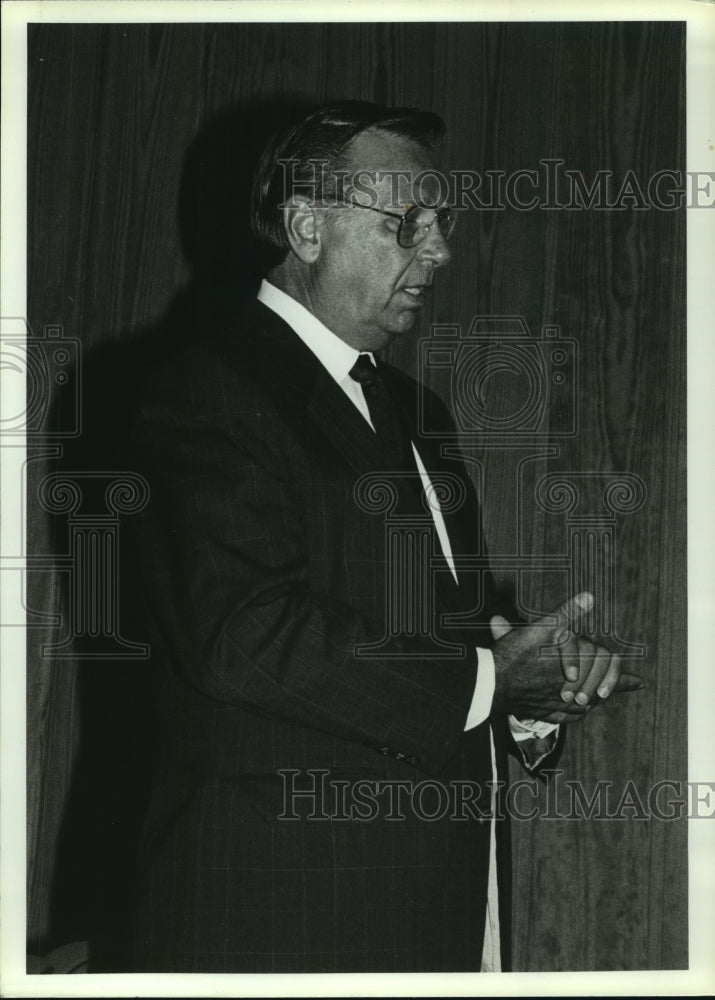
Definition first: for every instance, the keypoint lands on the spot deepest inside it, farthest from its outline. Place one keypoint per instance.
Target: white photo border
(700, 978)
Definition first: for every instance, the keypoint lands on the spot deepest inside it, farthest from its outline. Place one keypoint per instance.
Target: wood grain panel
(127, 122)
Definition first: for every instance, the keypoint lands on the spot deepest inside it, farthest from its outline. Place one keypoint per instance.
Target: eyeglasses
(413, 228)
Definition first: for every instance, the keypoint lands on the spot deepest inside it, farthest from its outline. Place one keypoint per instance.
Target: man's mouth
(416, 291)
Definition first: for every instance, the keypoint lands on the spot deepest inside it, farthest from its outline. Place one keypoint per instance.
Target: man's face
(364, 286)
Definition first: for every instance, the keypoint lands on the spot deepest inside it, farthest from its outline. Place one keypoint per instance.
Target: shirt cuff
(534, 739)
(481, 706)
(530, 729)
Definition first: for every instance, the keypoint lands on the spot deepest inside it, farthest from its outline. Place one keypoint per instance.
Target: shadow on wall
(95, 854)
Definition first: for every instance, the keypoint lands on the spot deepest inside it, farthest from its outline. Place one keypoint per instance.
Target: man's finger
(499, 626)
(610, 678)
(565, 712)
(596, 661)
(570, 666)
(567, 715)
(570, 613)
(629, 682)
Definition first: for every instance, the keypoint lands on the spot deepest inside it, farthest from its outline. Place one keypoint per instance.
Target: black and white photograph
(352, 479)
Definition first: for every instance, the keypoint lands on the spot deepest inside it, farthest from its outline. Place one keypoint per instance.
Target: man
(300, 698)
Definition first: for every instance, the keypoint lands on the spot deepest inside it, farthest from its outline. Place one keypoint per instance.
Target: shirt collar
(332, 352)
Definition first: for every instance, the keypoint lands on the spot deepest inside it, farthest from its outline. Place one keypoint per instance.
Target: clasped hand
(564, 681)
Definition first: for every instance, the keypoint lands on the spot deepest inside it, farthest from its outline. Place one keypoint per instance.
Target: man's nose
(433, 249)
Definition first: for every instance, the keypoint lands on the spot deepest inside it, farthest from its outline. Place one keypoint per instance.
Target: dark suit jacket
(263, 575)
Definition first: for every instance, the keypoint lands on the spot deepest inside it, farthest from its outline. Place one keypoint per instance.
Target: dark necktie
(386, 420)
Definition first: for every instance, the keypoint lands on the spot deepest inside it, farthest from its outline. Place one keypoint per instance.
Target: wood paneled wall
(140, 144)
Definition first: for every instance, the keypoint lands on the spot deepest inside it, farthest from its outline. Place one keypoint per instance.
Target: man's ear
(303, 228)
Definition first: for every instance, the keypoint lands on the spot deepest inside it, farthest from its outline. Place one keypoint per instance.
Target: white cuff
(530, 729)
(534, 739)
(481, 706)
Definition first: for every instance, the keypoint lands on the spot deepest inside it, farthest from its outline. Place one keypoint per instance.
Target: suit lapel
(318, 395)
(339, 420)
(336, 419)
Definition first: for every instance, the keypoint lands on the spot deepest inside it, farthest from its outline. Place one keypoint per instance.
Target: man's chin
(404, 322)
(384, 335)
(390, 337)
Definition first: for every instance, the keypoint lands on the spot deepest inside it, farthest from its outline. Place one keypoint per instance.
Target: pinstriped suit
(263, 575)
